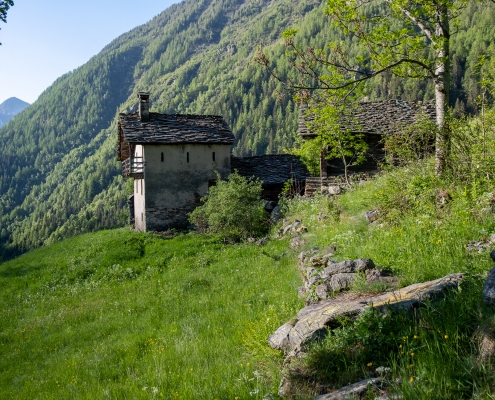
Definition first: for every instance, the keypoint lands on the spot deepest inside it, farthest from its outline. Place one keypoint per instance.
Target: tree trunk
(442, 91)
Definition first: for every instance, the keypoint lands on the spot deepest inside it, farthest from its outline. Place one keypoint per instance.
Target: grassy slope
(109, 314)
(119, 314)
(129, 315)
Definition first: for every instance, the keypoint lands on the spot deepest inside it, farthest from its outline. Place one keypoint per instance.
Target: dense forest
(58, 171)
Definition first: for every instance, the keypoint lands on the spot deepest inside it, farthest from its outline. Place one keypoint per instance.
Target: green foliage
(232, 209)
(413, 143)
(4, 7)
(405, 39)
(333, 141)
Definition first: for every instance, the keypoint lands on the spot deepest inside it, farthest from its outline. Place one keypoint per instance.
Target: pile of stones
(323, 277)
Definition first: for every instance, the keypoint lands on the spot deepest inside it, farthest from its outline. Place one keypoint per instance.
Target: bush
(233, 209)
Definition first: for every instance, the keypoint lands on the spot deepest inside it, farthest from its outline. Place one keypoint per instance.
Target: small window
(213, 155)
(142, 217)
(187, 156)
(162, 157)
(141, 186)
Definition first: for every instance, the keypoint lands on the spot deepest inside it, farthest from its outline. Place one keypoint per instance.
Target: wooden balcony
(133, 167)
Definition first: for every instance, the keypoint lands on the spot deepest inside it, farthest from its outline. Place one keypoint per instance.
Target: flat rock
(314, 320)
(279, 340)
(353, 391)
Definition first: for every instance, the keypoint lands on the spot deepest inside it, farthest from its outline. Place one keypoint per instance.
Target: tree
(4, 7)
(337, 137)
(233, 208)
(408, 38)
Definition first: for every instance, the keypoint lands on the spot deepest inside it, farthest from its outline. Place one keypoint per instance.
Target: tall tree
(408, 38)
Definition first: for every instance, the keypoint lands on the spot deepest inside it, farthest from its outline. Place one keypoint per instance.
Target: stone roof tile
(175, 129)
(378, 117)
(271, 169)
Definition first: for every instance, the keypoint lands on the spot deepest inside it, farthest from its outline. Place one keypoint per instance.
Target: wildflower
(381, 370)
(411, 379)
(412, 354)
(400, 346)
(446, 337)
(416, 336)
(370, 364)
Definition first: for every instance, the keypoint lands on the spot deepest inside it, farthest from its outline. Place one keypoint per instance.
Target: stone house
(374, 119)
(173, 159)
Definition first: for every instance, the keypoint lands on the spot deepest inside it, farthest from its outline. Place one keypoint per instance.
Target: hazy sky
(44, 39)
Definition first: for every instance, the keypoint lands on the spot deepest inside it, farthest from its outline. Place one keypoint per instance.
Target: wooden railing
(133, 167)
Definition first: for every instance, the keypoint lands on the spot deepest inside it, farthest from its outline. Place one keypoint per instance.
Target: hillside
(10, 108)
(118, 313)
(58, 174)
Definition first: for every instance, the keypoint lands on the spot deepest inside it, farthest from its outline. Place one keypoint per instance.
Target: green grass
(433, 353)
(119, 314)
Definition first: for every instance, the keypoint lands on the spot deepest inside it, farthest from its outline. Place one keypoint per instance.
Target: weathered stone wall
(176, 177)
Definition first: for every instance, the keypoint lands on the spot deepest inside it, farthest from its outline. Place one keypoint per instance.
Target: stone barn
(274, 170)
(374, 119)
(173, 159)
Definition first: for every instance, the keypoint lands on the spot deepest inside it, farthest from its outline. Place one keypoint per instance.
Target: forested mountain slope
(58, 173)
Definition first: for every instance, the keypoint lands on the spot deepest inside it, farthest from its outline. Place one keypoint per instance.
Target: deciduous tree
(408, 38)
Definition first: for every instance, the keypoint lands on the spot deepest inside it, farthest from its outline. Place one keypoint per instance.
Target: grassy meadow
(124, 315)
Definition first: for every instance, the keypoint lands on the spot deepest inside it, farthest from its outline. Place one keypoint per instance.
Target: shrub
(233, 209)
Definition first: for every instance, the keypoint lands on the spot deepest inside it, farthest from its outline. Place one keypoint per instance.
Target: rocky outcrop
(314, 320)
(324, 277)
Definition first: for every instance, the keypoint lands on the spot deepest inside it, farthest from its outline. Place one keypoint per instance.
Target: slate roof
(378, 117)
(271, 169)
(175, 129)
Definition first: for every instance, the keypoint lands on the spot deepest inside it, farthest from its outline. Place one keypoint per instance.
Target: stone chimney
(144, 106)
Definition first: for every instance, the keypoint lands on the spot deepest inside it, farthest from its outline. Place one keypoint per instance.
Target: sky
(44, 39)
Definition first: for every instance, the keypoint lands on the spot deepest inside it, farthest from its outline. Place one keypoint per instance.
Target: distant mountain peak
(10, 108)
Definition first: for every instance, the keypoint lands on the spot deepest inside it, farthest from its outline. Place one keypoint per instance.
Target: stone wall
(175, 178)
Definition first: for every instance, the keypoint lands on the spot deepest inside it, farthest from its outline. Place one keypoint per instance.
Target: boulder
(372, 215)
(322, 291)
(340, 282)
(486, 343)
(279, 340)
(489, 288)
(276, 214)
(314, 320)
(334, 190)
(269, 206)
